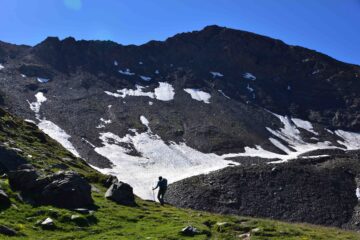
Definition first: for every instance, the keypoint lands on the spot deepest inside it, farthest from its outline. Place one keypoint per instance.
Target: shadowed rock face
(319, 193)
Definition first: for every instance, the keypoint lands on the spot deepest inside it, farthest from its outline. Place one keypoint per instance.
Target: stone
(4, 230)
(121, 193)
(189, 231)
(110, 180)
(4, 200)
(67, 190)
(48, 223)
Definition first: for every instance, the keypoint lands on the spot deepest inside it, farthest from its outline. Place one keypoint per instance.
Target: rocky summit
(218, 99)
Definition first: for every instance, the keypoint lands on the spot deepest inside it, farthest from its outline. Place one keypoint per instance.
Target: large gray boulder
(10, 159)
(121, 193)
(65, 189)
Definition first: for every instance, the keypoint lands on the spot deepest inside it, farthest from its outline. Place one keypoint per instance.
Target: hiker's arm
(157, 185)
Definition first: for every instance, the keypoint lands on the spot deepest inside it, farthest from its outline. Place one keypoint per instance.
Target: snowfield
(198, 95)
(1, 66)
(175, 161)
(290, 134)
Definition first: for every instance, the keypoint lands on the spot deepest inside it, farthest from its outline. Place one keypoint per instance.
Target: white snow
(351, 139)
(157, 72)
(88, 142)
(290, 135)
(23, 75)
(103, 123)
(1, 66)
(304, 125)
(316, 156)
(141, 63)
(126, 72)
(145, 78)
(165, 92)
(35, 106)
(130, 92)
(116, 63)
(144, 121)
(42, 80)
(249, 76)
(288, 88)
(30, 121)
(250, 89)
(58, 134)
(217, 74)
(174, 161)
(151, 103)
(198, 95)
(222, 93)
(357, 192)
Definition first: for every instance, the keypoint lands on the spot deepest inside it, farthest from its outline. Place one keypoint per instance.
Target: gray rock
(4, 230)
(48, 223)
(121, 193)
(110, 180)
(68, 190)
(4, 200)
(62, 189)
(189, 231)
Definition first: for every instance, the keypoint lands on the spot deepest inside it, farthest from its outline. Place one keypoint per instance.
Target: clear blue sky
(328, 26)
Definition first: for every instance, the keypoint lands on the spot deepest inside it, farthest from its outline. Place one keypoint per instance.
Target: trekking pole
(153, 194)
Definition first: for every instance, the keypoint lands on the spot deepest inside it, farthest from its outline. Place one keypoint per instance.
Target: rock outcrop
(121, 193)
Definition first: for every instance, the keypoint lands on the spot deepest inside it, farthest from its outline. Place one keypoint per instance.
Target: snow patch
(1, 66)
(304, 125)
(58, 134)
(42, 80)
(126, 72)
(157, 72)
(144, 121)
(145, 78)
(216, 74)
(351, 139)
(222, 93)
(35, 106)
(165, 92)
(116, 63)
(198, 95)
(249, 76)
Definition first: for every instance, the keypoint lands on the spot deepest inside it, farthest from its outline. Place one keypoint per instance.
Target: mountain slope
(215, 91)
(109, 220)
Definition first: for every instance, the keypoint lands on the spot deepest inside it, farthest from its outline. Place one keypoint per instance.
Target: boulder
(24, 180)
(189, 231)
(121, 193)
(110, 180)
(10, 159)
(4, 200)
(4, 230)
(48, 224)
(66, 189)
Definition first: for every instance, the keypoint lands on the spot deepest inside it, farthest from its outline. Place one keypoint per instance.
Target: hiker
(162, 185)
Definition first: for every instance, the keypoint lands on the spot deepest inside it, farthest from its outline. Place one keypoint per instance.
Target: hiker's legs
(161, 194)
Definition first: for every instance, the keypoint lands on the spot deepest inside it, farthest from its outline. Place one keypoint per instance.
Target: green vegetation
(111, 221)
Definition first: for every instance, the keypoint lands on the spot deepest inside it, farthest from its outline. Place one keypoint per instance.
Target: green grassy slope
(111, 221)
